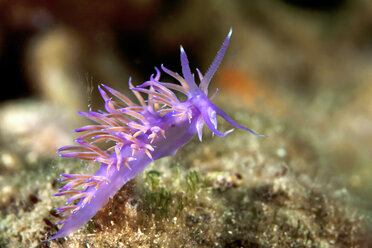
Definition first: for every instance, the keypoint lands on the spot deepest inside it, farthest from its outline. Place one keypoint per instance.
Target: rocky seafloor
(236, 191)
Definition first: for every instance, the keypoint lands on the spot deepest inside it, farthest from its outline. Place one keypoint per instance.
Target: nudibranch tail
(135, 134)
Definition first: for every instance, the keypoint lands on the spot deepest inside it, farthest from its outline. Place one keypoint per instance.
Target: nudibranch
(137, 134)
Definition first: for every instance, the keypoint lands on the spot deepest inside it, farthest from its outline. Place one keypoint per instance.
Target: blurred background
(304, 64)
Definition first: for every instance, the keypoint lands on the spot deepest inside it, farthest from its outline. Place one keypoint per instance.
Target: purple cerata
(138, 134)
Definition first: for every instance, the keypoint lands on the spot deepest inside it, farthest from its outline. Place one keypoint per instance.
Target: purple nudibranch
(139, 133)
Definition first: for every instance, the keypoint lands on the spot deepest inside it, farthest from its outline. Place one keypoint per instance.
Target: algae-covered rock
(236, 191)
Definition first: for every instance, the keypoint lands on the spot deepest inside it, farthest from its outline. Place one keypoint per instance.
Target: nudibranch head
(198, 95)
(135, 134)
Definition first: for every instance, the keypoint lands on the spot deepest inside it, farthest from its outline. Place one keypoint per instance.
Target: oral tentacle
(231, 122)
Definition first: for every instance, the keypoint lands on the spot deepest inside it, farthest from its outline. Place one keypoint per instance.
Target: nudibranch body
(137, 134)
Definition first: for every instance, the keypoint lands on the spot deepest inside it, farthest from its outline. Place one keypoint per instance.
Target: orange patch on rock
(240, 84)
(246, 90)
